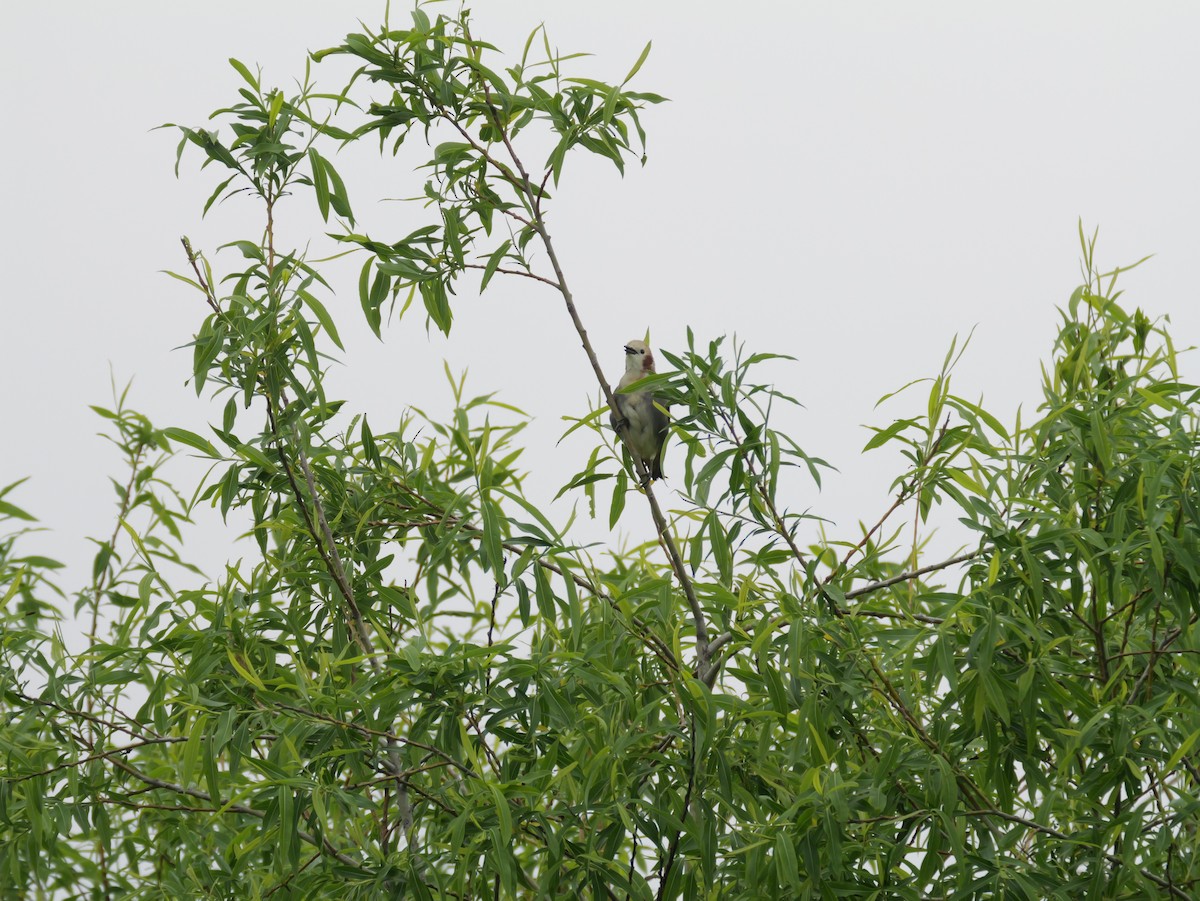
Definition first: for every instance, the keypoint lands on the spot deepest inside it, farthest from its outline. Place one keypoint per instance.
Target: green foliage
(418, 684)
(489, 208)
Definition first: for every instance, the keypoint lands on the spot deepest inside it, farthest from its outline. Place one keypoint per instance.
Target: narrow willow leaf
(638, 65)
(618, 498)
(320, 182)
(245, 73)
(323, 317)
(191, 439)
(493, 263)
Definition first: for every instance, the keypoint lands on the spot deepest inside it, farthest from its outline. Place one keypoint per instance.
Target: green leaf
(320, 182)
(15, 512)
(242, 667)
(1182, 751)
(249, 250)
(323, 317)
(618, 498)
(220, 189)
(502, 814)
(493, 263)
(254, 455)
(636, 66)
(39, 561)
(11, 485)
(936, 396)
(100, 563)
(338, 198)
(492, 537)
(191, 439)
(610, 104)
(882, 436)
(18, 579)
(366, 296)
(437, 304)
(183, 278)
(192, 749)
(370, 451)
(276, 106)
(545, 597)
(719, 545)
(245, 73)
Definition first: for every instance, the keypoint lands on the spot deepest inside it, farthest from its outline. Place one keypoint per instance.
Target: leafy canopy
(419, 684)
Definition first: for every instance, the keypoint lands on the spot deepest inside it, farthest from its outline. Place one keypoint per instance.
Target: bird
(645, 422)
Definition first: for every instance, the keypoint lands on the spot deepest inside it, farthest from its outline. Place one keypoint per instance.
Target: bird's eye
(642, 350)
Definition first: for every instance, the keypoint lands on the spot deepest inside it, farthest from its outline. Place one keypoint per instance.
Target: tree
(738, 709)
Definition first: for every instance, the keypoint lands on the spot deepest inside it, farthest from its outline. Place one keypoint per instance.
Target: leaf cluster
(418, 683)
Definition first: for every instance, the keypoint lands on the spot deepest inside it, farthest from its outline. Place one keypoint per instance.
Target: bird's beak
(629, 350)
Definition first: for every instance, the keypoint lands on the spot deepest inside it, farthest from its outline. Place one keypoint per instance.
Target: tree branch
(1062, 836)
(905, 493)
(521, 273)
(908, 576)
(101, 755)
(702, 650)
(209, 296)
(366, 731)
(725, 637)
(322, 843)
(323, 541)
(521, 182)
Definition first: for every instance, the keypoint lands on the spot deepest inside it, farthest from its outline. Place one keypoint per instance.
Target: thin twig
(209, 296)
(1168, 640)
(660, 522)
(725, 637)
(101, 583)
(375, 733)
(907, 576)
(323, 843)
(328, 553)
(292, 875)
(520, 272)
(100, 755)
(324, 542)
(1062, 836)
(905, 493)
(335, 561)
(491, 632)
(84, 715)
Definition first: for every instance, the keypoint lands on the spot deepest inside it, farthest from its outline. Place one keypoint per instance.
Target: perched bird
(644, 423)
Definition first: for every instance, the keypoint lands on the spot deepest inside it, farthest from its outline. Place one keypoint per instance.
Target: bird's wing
(660, 420)
(621, 402)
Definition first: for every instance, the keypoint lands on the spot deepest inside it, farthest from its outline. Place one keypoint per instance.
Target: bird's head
(638, 357)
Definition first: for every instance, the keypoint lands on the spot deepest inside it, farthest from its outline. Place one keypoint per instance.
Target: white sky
(850, 183)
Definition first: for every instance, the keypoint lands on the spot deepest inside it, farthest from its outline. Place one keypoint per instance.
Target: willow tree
(421, 685)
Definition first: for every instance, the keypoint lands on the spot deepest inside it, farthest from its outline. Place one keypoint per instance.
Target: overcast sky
(850, 183)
